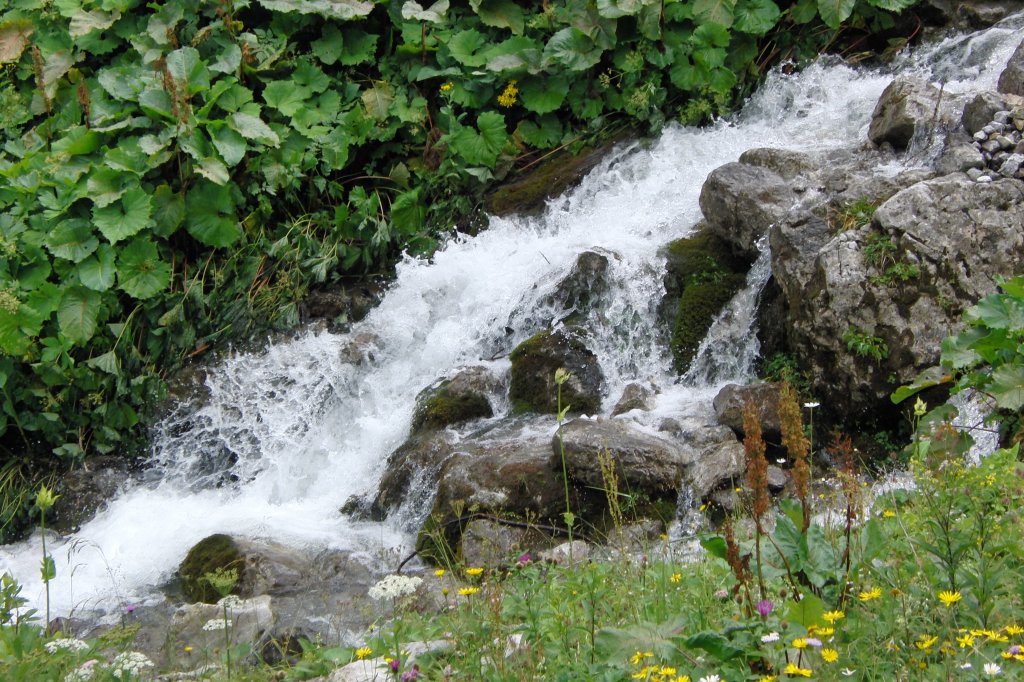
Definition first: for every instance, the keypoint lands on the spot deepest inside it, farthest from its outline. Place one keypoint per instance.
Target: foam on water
(290, 433)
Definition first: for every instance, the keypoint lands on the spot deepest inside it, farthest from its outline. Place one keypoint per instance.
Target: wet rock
(980, 110)
(731, 399)
(203, 626)
(343, 305)
(534, 363)
(567, 554)
(361, 348)
(643, 462)
(582, 287)
(958, 156)
(718, 465)
(790, 165)
(84, 491)
(218, 552)
(740, 201)
(908, 107)
(491, 544)
(634, 397)
(451, 401)
(1011, 80)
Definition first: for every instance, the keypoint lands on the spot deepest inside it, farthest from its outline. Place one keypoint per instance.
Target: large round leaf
(124, 218)
(571, 49)
(72, 240)
(756, 16)
(140, 272)
(543, 95)
(78, 314)
(97, 271)
(210, 214)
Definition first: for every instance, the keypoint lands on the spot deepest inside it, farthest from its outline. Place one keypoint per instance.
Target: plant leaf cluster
(179, 173)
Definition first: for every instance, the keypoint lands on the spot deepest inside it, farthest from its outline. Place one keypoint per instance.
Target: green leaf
(210, 215)
(711, 35)
(331, 9)
(168, 211)
(14, 38)
(328, 46)
(481, 148)
(126, 218)
(213, 169)
(414, 11)
(714, 545)
(715, 644)
(229, 144)
(933, 376)
(229, 59)
(807, 612)
(756, 17)
(286, 96)
(253, 128)
(714, 11)
(359, 47)
(892, 5)
(619, 644)
(408, 213)
(1007, 386)
(546, 133)
(107, 362)
(571, 49)
(614, 9)
(140, 271)
(106, 185)
(835, 12)
(542, 95)
(310, 77)
(378, 100)
(97, 271)
(72, 240)
(48, 569)
(500, 14)
(78, 314)
(999, 311)
(189, 69)
(464, 45)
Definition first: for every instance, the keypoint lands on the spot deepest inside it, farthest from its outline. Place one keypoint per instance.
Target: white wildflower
(394, 586)
(82, 673)
(992, 669)
(966, 666)
(217, 624)
(770, 637)
(847, 672)
(811, 406)
(65, 644)
(130, 663)
(231, 601)
(711, 678)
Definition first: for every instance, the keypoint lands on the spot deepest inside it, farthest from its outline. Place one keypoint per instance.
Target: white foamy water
(291, 433)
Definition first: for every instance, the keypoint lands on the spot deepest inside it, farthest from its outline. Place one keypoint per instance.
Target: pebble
(990, 146)
(974, 173)
(1005, 142)
(985, 178)
(1002, 117)
(980, 136)
(1011, 165)
(989, 129)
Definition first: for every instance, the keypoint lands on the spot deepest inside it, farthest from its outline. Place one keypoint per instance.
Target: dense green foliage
(179, 173)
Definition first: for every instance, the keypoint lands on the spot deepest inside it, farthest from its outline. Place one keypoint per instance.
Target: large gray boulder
(730, 401)
(908, 107)
(534, 363)
(1011, 80)
(464, 396)
(739, 201)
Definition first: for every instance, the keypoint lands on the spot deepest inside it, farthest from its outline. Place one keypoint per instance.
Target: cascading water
(288, 434)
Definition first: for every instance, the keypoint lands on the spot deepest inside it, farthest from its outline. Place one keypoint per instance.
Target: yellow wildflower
(676, 578)
(888, 514)
(508, 96)
(832, 616)
(468, 591)
(1014, 630)
(473, 572)
(439, 572)
(829, 655)
(868, 595)
(949, 598)
(793, 670)
(639, 656)
(799, 643)
(447, 87)
(363, 652)
(965, 641)
(926, 642)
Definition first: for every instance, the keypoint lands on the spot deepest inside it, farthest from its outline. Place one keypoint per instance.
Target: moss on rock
(534, 361)
(698, 307)
(445, 407)
(217, 551)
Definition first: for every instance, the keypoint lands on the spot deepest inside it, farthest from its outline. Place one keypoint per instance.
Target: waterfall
(288, 434)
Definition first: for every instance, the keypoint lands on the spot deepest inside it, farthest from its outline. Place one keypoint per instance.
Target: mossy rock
(534, 362)
(215, 552)
(699, 258)
(445, 408)
(698, 307)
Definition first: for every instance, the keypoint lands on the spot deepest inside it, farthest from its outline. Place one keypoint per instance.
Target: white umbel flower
(394, 586)
(82, 673)
(131, 663)
(992, 669)
(770, 637)
(217, 624)
(65, 644)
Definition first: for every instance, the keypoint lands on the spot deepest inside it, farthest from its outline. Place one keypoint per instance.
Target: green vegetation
(866, 346)
(881, 253)
(852, 215)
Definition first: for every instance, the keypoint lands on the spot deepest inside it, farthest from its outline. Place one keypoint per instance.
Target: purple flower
(813, 641)
(413, 674)
(130, 609)
(395, 664)
(524, 559)
(1015, 649)
(764, 607)
(722, 594)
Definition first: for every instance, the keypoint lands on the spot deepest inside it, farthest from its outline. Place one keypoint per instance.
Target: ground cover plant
(178, 174)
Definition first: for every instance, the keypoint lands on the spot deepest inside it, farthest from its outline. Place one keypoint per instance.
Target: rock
(212, 553)
(377, 670)
(1011, 80)
(730, 400)
(567, 554)
(777, 479)
(534, 363)
(410, 476)
(342, 306)
(203, 627)
(581, 288)
(702, 275)
(740, 201)
(634, 397)
(718, 465)
(643, 462)
(491, 544)
(790, 165)
(85, 490)
(958, 156)
(1012, 164)
(974, 14)
(635, 537)
(360, 348)
(450, 401)
(980, 110)
(907, 108)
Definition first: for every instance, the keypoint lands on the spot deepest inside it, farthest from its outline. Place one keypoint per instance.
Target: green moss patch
(217, 551)
(446, 407)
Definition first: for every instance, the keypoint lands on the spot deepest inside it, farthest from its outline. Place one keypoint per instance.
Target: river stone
(450, 401)
(789, 164)
(740, 201)
(906, 108)
(343, 305)
(85, 490)
(718, 465)
(361, 348)
(958, 156)
(730, 400)
(1011, 80)
(534, 363)
(980, 111)
(212, 553)
(249, 620)
(634, 397)
(644, 462)
(490, 544)
(377, 670)
(581, 288)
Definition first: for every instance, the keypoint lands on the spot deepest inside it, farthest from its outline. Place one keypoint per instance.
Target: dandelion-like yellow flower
(793, 670)
(468, 591)
(508, 96)
(447, 87)
(188, 650)
(996, 637)
(1014, 630)
(949, 598)
(926, 642)
(829, 655)
(799, 643)
(363, 652)
(439, 572)
(823, 633)
(965, 641)
(767, 678)
(676, 578)
(639, 656)
(888, 514)
(868, 595)
(832, 616)
(473, 572)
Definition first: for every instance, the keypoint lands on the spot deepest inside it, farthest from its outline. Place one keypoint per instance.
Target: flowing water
(290, 433)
